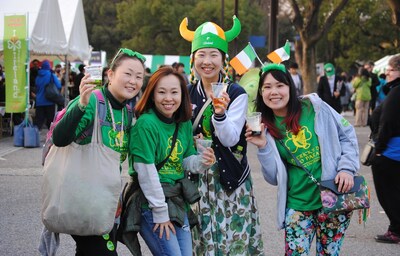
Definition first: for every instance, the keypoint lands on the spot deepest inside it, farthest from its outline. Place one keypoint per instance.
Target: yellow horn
(185, 32)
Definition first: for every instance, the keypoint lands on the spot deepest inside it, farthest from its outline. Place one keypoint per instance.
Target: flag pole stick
(262, 64)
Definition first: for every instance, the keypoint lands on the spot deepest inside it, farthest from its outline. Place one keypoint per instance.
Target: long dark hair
(294, 104)
(146, 102)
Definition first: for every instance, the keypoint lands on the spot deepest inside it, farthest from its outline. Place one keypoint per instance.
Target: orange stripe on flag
(238, 66)
(274, 57)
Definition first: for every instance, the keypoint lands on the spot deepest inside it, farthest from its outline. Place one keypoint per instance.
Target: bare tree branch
(297, 19)
(395, 6)
(328, 22)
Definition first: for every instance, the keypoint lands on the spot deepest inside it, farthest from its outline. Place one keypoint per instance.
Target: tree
(100, 16)
(363, 31)
(311, 24)
(152, 27)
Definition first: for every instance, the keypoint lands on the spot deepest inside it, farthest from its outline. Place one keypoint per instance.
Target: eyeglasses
(128, 52)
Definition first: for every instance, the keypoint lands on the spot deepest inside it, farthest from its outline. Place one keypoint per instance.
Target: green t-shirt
(303, 193)
(116, 139)
(151, 141)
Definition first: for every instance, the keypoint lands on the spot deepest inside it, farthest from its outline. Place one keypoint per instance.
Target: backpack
(102, 111)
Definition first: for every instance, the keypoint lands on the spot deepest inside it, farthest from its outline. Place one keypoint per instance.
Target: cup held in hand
(95, 75)
(202, 144)
(254, 122)
(217, 89)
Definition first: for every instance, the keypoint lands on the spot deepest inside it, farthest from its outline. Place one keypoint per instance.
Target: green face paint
(110, 246)
(106, 236)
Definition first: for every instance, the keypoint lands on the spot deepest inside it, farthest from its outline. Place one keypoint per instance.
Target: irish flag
(243, 61)
(280, 54)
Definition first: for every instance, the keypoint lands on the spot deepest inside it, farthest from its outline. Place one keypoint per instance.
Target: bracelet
(81, 107)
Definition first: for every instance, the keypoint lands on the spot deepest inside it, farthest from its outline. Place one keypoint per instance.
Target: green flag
(15, 59)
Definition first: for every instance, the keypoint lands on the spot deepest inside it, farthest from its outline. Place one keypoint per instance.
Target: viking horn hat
(210, 35)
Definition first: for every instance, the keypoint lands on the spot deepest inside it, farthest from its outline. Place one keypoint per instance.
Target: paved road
(20, 225)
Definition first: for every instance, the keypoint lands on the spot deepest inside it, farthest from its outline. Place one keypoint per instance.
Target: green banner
(15, 59)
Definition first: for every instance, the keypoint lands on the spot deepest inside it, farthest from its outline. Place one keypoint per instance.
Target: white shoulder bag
(81, 187)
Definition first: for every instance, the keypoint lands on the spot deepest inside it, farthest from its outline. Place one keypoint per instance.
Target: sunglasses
(128, 52)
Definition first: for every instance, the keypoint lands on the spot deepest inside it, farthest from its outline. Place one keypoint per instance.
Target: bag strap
(161, 164)
(299, 164)
(199, 115)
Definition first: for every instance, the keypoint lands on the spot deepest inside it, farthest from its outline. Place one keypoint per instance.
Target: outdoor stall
(52, 28)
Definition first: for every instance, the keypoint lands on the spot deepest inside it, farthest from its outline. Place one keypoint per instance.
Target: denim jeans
(179, 244)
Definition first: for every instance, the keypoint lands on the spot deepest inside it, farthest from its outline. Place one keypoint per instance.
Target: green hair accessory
(273, 66)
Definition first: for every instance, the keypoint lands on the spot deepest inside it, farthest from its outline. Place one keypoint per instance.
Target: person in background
(77, 81)
(180, 68)
(369, 66)
(330, 88)
(345, 100)
(298, 81)
(228, 214)
(71, 78)
(125, 80)
(58, 72)
(385, 127)
(323, 141)
(33, 73)
(361, 85)
(164, 110)
(45, 109)
(146, 78)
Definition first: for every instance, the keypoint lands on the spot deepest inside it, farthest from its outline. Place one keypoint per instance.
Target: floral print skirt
(229, 223)
(302, 226)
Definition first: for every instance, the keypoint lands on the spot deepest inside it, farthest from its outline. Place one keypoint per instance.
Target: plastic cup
(254, 122)
(95, 74)
(202, 144)
(217, 90)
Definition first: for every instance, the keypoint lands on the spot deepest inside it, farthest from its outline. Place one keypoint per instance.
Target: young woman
(323, 141)
(163, 110)
(227, 209)
(125, 80)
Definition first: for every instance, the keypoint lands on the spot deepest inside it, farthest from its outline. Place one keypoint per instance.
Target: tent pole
(28, 60)
(66, 79)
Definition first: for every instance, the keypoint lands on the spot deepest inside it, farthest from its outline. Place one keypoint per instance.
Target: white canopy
(55, 27)
(380, 65)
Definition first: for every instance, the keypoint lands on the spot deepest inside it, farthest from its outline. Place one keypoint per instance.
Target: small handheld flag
(280, 54)
(244, 60)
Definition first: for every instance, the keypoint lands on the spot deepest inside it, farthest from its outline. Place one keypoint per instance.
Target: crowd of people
(173, 109)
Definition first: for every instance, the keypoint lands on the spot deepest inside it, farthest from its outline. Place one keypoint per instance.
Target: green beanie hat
(329, 69)
(210, 35)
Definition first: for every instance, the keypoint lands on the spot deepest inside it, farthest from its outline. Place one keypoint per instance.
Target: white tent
(55, 27)
(73, 19)
(380, 65)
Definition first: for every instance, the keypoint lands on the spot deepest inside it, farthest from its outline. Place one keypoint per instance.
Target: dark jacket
(132, 200)
(177, 197)
(325, 94)
(384, 122)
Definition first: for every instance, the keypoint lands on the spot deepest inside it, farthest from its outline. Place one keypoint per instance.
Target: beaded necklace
(118, 136)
